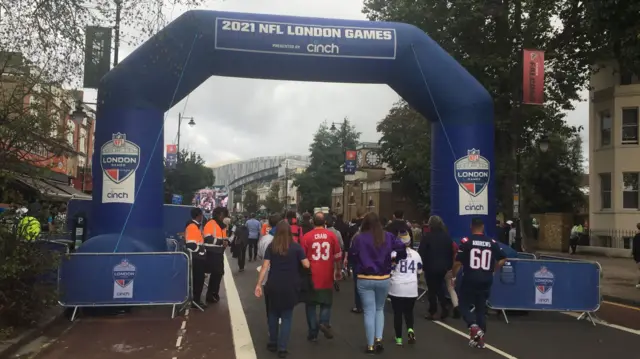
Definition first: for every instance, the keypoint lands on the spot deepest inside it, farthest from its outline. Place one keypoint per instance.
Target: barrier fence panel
(557, 258)
(550, 285)
(525, 255)
(55, 248)
(123, 279)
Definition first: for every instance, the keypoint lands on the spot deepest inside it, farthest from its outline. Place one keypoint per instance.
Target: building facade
(614, 150)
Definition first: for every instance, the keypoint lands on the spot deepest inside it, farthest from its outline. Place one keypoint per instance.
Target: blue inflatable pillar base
(462, 186)
(128, 173)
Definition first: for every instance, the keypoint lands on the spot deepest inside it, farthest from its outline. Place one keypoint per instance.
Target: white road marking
(601, 322)
(465, 335)
(242, 341)
(184, 325)
(179, 341)
(186, 313)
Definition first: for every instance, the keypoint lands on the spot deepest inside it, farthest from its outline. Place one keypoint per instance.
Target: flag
(533, 77)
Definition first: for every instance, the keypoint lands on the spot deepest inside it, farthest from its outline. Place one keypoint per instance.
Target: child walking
(403, 290)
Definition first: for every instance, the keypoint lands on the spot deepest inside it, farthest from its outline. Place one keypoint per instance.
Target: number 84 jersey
(479, 255)
(404, 278)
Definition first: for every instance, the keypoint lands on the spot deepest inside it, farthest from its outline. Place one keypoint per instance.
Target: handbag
(307, 290)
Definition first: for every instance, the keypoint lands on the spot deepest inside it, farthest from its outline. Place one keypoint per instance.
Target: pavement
(236, 328)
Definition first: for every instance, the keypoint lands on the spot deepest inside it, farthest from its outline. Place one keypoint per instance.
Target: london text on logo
(472, 172)
(119, 158)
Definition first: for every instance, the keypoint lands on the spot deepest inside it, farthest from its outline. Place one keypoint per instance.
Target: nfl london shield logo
(543, 280)
(472, 172)
(124, 273)
(119, 158)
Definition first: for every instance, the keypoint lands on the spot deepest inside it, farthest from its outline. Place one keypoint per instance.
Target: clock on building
(373, 159)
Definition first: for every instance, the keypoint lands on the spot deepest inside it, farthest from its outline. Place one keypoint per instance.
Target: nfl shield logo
(543, 280)
(124, 273)
(119, 139)
(472, 172)
(119, 158)
(473, 155)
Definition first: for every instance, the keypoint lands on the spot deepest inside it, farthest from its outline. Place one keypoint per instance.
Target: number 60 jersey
(479, 255)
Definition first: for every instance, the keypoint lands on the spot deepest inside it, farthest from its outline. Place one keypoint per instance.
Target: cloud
(244, 118)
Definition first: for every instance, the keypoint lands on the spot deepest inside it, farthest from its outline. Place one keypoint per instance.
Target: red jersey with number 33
(322, 249)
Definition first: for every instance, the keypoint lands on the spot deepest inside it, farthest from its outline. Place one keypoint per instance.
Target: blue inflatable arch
(133, 97)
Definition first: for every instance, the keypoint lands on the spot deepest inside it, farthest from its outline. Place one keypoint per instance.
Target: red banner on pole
(533, 77)
(351, 155)
(172, 149)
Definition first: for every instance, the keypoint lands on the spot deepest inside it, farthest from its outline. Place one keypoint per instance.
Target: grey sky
(231, 114)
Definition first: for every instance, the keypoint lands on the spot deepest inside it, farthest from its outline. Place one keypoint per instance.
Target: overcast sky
(237, 110)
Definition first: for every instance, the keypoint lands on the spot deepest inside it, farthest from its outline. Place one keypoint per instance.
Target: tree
(327, 156)
(554, 178)
(250, 202)
(273, 202)
(487, 38)
(614, 29)
(189, 176)
(405, 144)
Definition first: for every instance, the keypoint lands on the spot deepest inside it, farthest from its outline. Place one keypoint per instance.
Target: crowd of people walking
(302, 261)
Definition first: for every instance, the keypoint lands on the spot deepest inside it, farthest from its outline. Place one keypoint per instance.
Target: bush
(27, 282)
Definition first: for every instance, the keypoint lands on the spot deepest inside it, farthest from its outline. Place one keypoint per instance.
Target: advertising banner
(533, 77)
(350, 164)
(172, 156)
(119, 159)
(97, 55)
(305, 39)
(472, 172)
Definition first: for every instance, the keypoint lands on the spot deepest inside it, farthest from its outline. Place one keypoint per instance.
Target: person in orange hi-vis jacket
(215, 242)
(195, 245)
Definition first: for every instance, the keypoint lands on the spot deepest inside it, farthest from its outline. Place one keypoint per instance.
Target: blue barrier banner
(55, 248)
(121, 279)
(305, 39)
(547, 285)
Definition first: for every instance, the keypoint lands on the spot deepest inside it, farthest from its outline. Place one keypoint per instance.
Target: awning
(70, 190)
(46, 189)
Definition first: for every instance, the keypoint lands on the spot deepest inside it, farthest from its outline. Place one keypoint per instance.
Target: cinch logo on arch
(119, 159)
(472, 173)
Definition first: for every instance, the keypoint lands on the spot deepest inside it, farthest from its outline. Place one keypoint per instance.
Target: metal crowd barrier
(124, 279)
(547, 285)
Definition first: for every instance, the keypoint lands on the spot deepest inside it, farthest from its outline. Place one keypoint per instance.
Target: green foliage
(614, 30)
(25, 296)
(273, 202)
(250, 202)
(327, 156)
(189, 176)
(486, 37)
(405, 144)
(553, 179)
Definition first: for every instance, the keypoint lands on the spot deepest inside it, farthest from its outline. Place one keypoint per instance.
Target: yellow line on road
(621, 305)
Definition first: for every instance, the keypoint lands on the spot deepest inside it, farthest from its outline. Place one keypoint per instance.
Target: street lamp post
(191, 123)
(543, 145)
(116, 45)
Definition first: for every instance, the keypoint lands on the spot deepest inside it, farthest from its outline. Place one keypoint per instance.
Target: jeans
(356, 294)
(253, 248)
(242, 255)
(312, 317)
(436, 289)
(373, 294)
(280, 337)
(474, 294)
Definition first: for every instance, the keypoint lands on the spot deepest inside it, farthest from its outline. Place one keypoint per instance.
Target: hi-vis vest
(213, 233)
(192, 234)
(29, 228)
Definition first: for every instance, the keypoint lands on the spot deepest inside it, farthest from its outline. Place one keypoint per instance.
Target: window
(630, 190)
(71, 131)
(605, 128)
(630, 126)
(81, 161)
(82, 146)
(605, 190)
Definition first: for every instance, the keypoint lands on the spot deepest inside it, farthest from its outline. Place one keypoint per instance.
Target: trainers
(378, 345)
(326, 330)
(476, 336)
(399, 342)
(412, 336)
